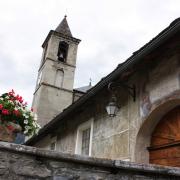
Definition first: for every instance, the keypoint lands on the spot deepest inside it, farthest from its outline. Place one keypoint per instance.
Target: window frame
(53, 140)
(86, 125)
(57, 78)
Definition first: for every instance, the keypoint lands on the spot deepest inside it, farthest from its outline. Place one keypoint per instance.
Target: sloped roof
(63, 27)
(84, 89)
(137, 56)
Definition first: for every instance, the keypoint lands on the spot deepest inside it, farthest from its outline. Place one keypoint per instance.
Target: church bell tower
(54, 86)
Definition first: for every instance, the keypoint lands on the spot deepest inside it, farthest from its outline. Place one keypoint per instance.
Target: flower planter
(16, 120)
(8, 132)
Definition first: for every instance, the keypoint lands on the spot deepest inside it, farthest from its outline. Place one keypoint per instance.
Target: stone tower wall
(50, 97)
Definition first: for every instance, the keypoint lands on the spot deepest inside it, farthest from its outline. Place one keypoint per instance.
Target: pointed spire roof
(64, 27)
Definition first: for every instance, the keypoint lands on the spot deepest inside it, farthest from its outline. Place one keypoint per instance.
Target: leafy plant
(13, 110)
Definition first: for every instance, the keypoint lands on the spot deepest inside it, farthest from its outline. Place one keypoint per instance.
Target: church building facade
(144, 91)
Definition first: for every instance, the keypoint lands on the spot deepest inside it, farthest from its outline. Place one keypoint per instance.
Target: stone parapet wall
(18, 162)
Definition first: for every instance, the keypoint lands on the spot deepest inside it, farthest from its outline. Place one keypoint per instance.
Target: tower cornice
(49, 59)
(52, 32)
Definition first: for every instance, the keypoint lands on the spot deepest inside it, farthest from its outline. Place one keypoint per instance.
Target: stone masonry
(54, 87)
(18, 162)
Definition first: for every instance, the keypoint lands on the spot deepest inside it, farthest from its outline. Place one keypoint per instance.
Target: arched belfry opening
(62, 51)
(156, 134)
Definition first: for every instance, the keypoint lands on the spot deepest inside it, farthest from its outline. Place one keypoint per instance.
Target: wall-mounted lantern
(112, 106)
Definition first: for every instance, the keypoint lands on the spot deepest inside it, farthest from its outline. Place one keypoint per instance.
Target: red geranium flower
(16, 112)
(19, 98)
(11, 128)
(11, 93)
(1, 106)
(5, 112)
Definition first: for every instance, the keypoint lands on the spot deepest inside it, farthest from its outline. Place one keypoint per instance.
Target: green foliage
(12, 109)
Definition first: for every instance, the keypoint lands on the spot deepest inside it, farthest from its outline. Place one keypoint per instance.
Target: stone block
(18, 162)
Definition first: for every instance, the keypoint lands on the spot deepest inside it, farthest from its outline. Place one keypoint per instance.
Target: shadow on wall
(141, 154)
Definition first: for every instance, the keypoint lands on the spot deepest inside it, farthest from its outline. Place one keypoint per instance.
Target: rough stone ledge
(115, 164)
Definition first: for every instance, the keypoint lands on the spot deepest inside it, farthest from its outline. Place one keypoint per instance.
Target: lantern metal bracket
(130, 89)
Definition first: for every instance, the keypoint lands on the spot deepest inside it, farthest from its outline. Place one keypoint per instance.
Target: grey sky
(110, 30)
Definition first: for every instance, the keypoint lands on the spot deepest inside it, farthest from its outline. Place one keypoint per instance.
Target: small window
(84, 138)
(53, 144)
(85, 141)
(62, 51)
(59, 78)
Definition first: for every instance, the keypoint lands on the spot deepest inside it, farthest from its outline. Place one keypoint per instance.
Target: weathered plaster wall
(117, 137)
(27, 163)
(159, 93)
(127, 135)
(111, 135)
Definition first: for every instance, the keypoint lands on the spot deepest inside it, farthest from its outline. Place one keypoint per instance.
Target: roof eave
(113, 75)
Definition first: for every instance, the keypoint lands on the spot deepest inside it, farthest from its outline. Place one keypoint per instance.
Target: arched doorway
(146, 128)
(165, 140)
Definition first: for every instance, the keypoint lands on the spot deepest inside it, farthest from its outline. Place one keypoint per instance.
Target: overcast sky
(110, 30)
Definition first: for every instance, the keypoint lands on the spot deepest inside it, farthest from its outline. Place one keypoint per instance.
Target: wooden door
(165, 140)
